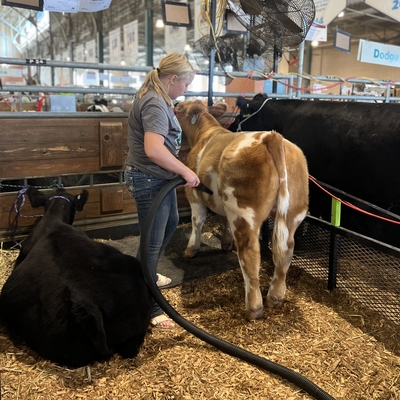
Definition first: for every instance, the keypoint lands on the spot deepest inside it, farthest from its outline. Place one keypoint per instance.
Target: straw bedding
(347, 350)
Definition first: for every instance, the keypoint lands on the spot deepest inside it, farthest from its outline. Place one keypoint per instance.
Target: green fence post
(334, 244)
(335, 212)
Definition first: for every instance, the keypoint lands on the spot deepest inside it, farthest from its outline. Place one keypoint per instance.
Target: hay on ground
(350, 352)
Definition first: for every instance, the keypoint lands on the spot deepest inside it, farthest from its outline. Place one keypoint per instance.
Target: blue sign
(378, 53)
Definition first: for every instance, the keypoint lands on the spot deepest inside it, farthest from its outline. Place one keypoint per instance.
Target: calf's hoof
(274, 301)
(254, 314)
(190, 253)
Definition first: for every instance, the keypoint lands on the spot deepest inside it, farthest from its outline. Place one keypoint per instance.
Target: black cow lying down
(71, 299)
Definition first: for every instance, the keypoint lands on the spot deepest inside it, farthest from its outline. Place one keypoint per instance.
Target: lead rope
(53, 185)
(239, 128)
(19, 202)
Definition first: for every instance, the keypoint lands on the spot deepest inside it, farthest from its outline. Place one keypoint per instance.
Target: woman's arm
(159, 154)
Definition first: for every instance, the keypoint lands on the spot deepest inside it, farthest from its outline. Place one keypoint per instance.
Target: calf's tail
(280, 234)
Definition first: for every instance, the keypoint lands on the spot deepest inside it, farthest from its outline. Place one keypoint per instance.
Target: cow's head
(194, 119)
(247, 107)
(189, 112)
(75, 202)
(99, 106)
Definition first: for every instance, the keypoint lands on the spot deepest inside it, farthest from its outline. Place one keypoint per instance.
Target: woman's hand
(192, 180)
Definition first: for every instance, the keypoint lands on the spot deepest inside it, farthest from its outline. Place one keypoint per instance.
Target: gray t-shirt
(152, 114)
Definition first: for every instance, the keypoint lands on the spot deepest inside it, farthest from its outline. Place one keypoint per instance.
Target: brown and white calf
(252, 175)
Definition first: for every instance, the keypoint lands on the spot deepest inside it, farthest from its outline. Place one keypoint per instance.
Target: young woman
(154, 142)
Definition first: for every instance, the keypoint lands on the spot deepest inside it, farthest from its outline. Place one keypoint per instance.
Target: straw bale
(346, 349)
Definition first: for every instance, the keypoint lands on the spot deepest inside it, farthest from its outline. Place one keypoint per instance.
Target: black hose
(228, 348)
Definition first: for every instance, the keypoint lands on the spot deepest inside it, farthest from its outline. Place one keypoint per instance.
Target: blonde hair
(172, 64)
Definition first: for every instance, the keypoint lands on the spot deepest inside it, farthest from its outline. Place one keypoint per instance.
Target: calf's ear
(218, 110)
(81, 199)
(36, 198)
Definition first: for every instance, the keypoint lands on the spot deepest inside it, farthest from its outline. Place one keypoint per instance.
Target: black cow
(99, 106)
(352, 146)
(71, 299)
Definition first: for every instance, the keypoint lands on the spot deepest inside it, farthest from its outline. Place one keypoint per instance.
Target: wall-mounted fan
(270, 25)
(229, 50)
(243, 52)
(281, 23)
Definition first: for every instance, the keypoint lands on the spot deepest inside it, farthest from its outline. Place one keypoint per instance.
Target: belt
(132, 168)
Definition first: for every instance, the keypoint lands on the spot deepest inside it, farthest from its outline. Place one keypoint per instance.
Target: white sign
(317, 32)
(115, 46)
(94, 5)
(79, 57)
(378, 53)
(131, 42)
(46, 77)
(14, 72)
(79, 53)
(65, 72)
(391, 8)
(91, 77)
(73, 6)
(175, 39)
(91, 56)
(327, 10)
(70, 6)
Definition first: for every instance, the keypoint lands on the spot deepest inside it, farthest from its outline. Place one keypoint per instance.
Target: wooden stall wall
(49, 147)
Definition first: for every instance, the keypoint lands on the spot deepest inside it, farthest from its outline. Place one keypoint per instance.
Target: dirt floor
(349, 351)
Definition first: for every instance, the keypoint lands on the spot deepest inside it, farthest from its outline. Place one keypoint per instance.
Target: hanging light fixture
(159, 23)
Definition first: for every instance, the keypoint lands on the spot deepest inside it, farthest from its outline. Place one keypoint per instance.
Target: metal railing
(291, 81)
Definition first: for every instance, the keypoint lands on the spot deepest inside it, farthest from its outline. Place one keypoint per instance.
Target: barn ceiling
(364, 22)
(360, 20)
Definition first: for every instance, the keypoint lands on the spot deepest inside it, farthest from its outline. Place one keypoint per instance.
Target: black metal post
(149, 32)
(276, 66)
(51, 49)
(211, 66)
(333, 258)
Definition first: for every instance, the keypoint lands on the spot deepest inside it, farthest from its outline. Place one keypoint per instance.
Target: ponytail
(172, 64)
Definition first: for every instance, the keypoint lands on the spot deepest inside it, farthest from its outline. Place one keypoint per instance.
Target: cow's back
(248, 171)
(242, 164)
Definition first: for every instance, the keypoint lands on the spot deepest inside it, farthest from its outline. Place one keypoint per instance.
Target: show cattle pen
(338, 324)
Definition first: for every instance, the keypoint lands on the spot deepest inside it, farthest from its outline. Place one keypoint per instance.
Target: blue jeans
(144, 189)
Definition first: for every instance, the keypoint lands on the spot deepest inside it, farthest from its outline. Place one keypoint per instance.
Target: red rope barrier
(350, 205)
